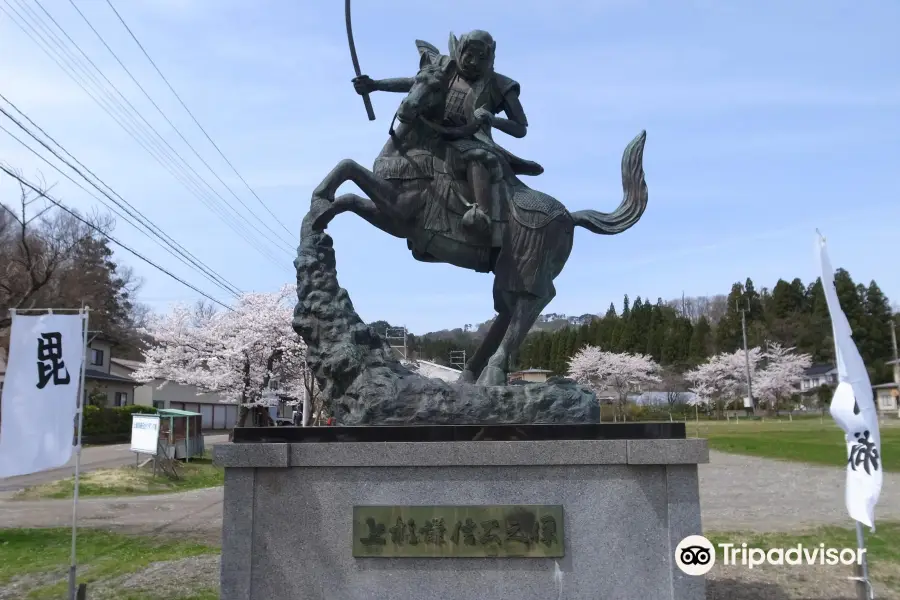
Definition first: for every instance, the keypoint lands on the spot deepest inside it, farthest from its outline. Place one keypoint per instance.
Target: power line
(141, 46)
(169, 245)
(159, 110)
(46, 28)
(135, 135)
(139, 216)
(185, 179)
(59, 204)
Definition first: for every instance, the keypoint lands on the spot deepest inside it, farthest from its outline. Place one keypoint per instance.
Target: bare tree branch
(37, 243)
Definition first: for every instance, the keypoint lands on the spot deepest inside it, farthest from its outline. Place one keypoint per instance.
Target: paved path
(196, 512)
(737, 493)
(92, 458)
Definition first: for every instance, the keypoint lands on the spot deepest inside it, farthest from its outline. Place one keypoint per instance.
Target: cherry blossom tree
(723, 377)
(784, 369)
(622, 373)
(250, 354)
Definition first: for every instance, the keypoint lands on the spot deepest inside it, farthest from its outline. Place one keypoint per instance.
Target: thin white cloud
(270, 83)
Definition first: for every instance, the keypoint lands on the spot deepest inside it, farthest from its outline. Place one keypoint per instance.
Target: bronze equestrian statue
(444, 185)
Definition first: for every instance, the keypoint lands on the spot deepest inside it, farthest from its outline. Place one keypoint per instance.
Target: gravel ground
(785, 583)
(738, 493)
(744, 493)
(196, 513)
(169, 579)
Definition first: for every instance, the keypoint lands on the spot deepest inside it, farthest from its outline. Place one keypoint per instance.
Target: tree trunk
(254, 416)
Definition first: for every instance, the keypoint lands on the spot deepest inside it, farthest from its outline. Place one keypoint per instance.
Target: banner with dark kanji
(40, 392)
(853, 408)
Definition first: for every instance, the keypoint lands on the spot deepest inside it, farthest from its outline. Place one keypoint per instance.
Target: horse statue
(418, 191)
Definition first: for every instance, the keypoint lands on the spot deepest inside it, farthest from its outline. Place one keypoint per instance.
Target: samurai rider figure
(476, 93)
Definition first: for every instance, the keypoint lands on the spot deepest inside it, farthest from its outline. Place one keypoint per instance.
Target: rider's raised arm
(515, 123)
(398, 84)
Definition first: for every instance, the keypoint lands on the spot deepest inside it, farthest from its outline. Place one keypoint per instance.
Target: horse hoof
(467, 376)
(492, 376)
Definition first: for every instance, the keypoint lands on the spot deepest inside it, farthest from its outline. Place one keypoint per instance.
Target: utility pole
(746, 353)
(894, 344)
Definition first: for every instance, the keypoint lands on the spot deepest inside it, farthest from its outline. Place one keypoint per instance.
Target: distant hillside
(684, 332)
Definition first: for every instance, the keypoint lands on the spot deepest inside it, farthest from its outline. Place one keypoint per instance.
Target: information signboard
(144, 433)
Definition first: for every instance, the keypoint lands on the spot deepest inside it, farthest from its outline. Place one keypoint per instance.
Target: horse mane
(431, 70)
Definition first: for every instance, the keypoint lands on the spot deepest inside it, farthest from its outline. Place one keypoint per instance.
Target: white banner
(40, 393)
(145, 433)
(853, 408)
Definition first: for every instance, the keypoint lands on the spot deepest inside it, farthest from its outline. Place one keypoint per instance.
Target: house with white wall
(886, 398)
(217, 413)
(816, 376)
(102, 386)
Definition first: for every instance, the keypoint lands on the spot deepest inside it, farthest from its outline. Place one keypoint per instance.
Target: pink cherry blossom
(723, 377)
(623, 373)
(239, 353)
(784, 370)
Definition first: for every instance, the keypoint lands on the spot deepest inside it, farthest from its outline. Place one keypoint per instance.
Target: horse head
(425, 100)
(426, 97)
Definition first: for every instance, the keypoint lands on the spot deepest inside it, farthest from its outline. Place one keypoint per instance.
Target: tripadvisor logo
(695, 555)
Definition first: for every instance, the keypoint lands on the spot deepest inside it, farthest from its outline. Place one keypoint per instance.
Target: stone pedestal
(627, 503)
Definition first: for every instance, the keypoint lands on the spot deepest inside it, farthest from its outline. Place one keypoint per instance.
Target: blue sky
(764, 119)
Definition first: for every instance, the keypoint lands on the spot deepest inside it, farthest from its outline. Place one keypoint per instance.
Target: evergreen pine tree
(700, 341)
(729, 333)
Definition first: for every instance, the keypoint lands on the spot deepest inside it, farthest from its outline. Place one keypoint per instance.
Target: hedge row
(103, 423)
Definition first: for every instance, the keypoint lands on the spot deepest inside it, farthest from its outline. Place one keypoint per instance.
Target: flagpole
(80, 404)
(853, 408)
(864, 589)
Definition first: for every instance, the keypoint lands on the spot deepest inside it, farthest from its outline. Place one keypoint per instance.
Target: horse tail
(634, 201)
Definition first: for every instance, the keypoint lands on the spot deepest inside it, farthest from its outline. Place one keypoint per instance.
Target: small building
(886, 397)
(816, 376)
(102, 387)
(433, 370)
(530, 376)
(217, 413)
(180, 433)
(896, 365)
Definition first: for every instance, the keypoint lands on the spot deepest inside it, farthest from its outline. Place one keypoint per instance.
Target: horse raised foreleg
(350, 170)
(525, 310)
(491, 342)
(381, 193)
(362, 207)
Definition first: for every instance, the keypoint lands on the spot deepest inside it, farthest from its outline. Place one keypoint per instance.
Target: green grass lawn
(130, 481)
(803, 440)
(38, 559)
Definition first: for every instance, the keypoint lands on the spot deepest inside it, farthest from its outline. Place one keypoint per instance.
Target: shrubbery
(108, 424)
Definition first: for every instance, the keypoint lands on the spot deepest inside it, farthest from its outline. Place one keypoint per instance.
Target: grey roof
(818, 370)
(101, 376)
(533, 371)
(134, 365)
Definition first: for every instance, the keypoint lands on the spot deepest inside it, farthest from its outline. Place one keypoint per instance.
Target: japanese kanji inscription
(528, 531)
